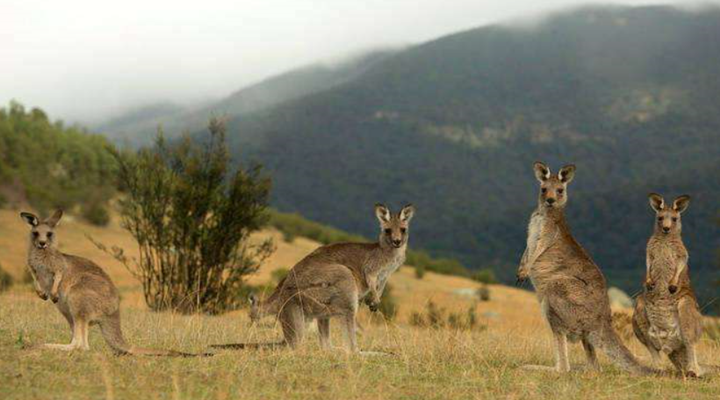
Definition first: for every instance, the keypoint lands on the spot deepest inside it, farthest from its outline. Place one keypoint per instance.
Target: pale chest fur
(45, 264)
(384, 264)
(664, 258)
(535, 230)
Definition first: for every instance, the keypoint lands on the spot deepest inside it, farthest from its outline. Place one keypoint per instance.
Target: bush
(483, 293)
(419, 271)
(96, 214)
(278, 275)
(485, 275)
(388, 305)
(192, 220)
(6, 280)
(434, 317)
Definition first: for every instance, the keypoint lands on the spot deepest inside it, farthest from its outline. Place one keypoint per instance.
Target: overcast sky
(88, 59)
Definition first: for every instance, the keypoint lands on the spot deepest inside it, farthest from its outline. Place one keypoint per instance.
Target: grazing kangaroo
(569, 285)
(332, 280)
(80, 289)
(667, 317)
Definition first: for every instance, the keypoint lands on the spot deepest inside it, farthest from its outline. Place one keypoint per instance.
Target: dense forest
(630, 95)
(49, 165)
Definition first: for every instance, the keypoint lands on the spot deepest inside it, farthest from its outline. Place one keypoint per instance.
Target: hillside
(139, 126)
(628, 94)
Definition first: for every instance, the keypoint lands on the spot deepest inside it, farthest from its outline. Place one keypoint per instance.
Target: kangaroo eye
(35, 234)
(388, 231)
(674, 219)
(403, 230)
(560, 191)
(544, 190)
(50, 234)
(660, 218)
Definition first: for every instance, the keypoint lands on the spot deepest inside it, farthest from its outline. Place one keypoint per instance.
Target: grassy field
(425, 362)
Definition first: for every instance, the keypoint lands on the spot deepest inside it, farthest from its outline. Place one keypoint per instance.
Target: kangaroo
(667, 317)
(80, 289)
(331, 281)
(569, 285)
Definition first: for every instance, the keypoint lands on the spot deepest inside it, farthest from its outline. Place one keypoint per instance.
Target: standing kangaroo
(80, 289)
(332, 280)
(667, 317)
(569, 285)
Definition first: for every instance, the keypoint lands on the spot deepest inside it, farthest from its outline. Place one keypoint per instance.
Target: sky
(87, 60)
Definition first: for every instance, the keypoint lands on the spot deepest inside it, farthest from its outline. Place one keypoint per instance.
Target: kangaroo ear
(382, 212)
(542, 172)
(55, 219)
(656, 202)
(681, 203)
(30, 218)
(407, 213)
(567, 173)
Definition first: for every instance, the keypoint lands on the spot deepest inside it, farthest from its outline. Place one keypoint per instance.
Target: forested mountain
(139, 126)
(630, 95)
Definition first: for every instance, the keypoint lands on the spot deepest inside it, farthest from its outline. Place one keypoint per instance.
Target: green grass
(426, 363)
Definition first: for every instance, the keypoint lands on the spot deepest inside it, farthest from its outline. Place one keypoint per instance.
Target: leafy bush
(483, 293)
(485, 275)
(388, 304)
(434, 317)
(419, 271)
(192, 219)
(279, 274)
(6, 280)
(96, 214)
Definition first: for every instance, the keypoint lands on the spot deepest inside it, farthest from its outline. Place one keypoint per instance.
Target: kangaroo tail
(607, 340)
(254, 346)
(112, 332)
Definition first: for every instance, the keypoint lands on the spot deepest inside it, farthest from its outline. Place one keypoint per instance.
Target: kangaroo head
(394, 228)
(668, 218)
(553, 187)
(42, 233)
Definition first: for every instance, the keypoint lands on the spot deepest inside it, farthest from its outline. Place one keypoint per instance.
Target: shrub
(192, 220)
(278, 275)
(6, 280)
(388, 305)
(419, 271)
(96, 214)
(485, 275)
(483, 293)
(434, 317)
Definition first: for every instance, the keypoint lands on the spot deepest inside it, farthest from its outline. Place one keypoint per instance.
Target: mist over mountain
(139, 126)
(628, 94)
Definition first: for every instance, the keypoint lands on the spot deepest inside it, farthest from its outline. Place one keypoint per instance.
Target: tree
(192, 219)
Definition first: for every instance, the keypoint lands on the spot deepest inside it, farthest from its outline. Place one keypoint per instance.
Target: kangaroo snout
(666, 229)
(550, 201)
(397, 242)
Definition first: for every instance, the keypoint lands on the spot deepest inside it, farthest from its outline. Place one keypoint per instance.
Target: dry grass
(425, 363)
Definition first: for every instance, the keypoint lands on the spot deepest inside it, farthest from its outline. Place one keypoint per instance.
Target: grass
(425, 362)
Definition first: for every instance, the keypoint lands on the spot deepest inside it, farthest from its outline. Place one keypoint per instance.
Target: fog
(88, 60)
